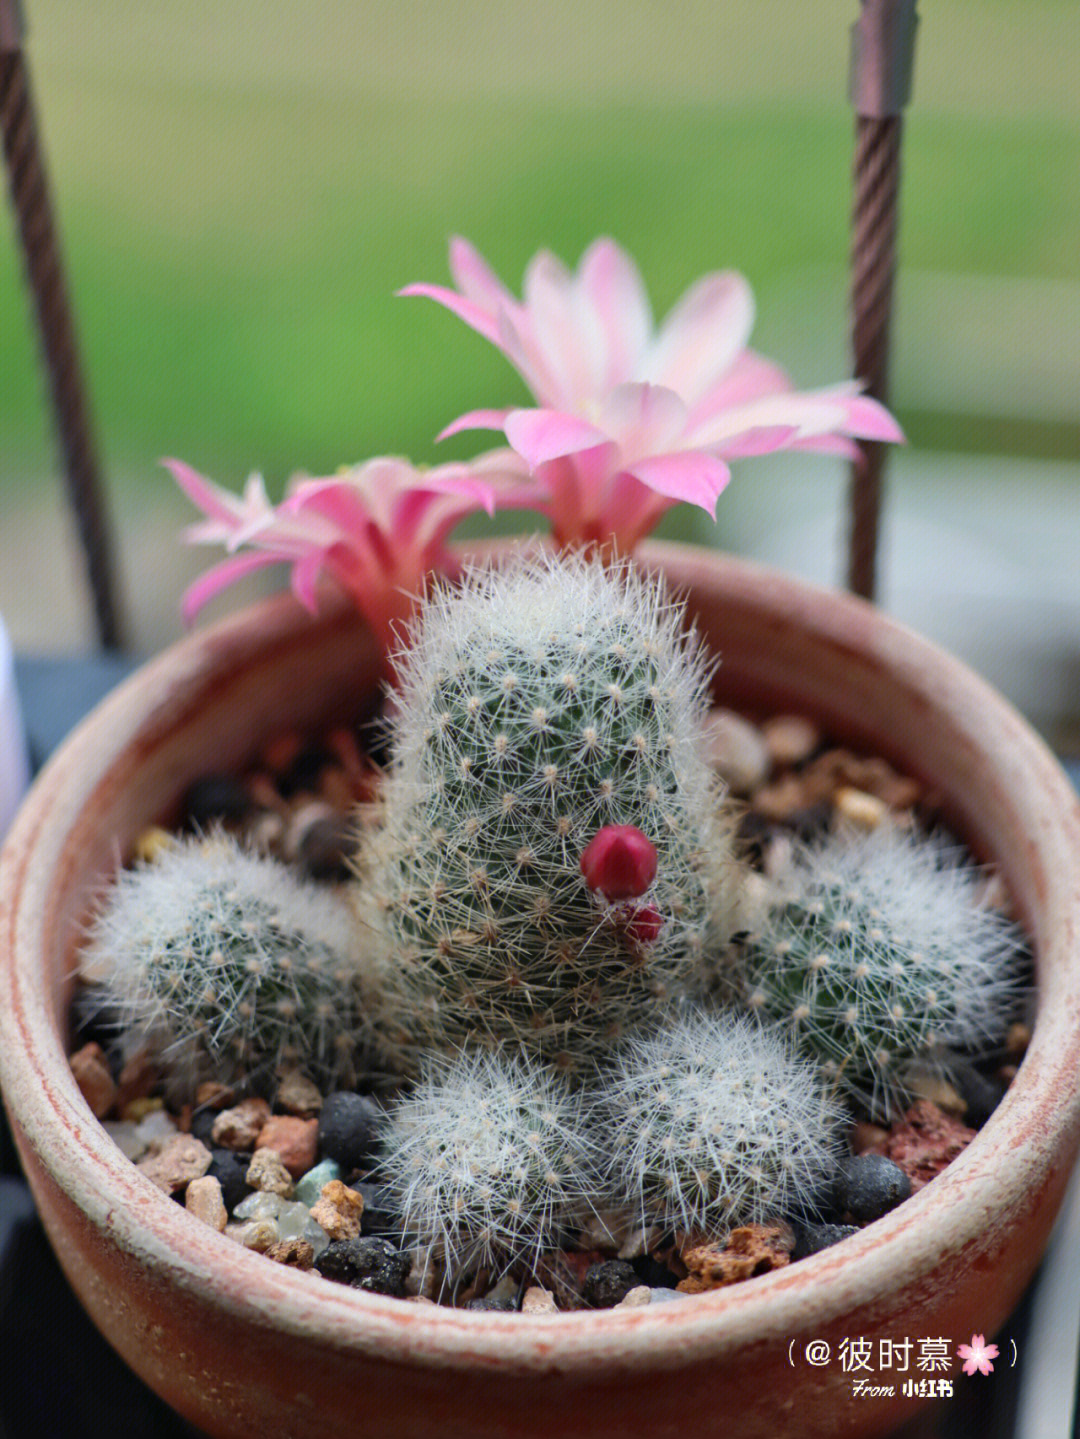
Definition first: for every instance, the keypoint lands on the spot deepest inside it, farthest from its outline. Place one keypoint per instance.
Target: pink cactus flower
(377, 530)
(631, 418)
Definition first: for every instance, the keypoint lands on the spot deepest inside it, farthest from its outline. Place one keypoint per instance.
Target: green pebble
(309, 1188)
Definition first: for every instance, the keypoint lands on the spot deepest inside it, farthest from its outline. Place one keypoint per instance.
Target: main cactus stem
(544, 710)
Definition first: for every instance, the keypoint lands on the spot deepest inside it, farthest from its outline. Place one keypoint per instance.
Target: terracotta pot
(245, 1347)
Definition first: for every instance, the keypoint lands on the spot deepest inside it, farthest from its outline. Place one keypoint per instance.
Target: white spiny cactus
(711, 1122)
(538, 705)
(877, 952)
(489, 1160)
(227, 966)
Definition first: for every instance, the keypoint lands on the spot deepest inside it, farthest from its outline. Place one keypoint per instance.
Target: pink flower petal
(692, 476)
(762, 440)
(803, 414)
(510, 479)
(204, 532)
(866, 419)
(215, 502)
(632, 510)
(475, 420)
(612, 289)
(302, 581)
(828, 445)
(540, 435)
(643, 419)
(750, 377)
(476, 280)
(475, 317)
(519, 343)
(558, 332)
(218, 578)
(702, 336)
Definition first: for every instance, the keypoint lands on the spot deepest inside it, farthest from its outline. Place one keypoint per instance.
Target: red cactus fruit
(619, 862)
(643, 923)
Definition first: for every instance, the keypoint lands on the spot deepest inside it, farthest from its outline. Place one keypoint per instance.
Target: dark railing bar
(882, 59)
(45, 275)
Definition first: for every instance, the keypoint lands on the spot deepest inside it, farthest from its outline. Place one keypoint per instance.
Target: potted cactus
(547, 890)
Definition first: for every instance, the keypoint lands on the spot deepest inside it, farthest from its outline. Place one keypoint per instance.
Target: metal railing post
(45, 276)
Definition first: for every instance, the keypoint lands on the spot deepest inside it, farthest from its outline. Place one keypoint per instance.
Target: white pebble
(126, 1137)
(294, 1221)
(156, 1127)
(260, 1205)
(736, 751)
(863, 810)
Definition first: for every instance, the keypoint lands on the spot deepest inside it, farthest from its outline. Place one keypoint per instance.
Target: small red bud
(619, 861)
(643, 924)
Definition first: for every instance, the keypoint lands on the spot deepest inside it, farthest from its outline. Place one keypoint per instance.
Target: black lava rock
(202, 1125)
(811, 821)
(230, 1169)
(303, 773)
(381, 1214)
(608, 1282)
(216, 797)
(981, 1095)
(94, 1020)
(498, 1306)
(650, 1271)
(868, 1186)
(810, 1238)
(366, 1263)
(349, 1127)
(327, 846)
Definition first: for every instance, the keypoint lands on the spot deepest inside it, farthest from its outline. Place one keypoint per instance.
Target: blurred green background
(241, 188)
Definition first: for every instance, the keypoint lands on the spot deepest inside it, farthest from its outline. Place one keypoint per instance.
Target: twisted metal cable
(873, 264)
(30, 198)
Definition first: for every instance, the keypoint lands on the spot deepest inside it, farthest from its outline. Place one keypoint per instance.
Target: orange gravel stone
(295, 1140)
(751, 1249)
(338, 1210)
(91, 1072)
(925, 1141)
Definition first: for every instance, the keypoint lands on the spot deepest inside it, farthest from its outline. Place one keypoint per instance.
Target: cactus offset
(877, 953)
(228, 967)
(540, 705)
(710, 1122)
(488, 1160)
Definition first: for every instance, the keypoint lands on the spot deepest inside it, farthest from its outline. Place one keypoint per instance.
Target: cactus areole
(619, 862)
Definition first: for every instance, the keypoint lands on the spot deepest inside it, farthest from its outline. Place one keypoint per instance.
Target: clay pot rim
(1017, 1145)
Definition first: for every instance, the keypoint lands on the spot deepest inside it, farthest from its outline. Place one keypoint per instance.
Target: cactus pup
(228, 967)
(710, 1122)
(877, 953)
(489, 1160)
